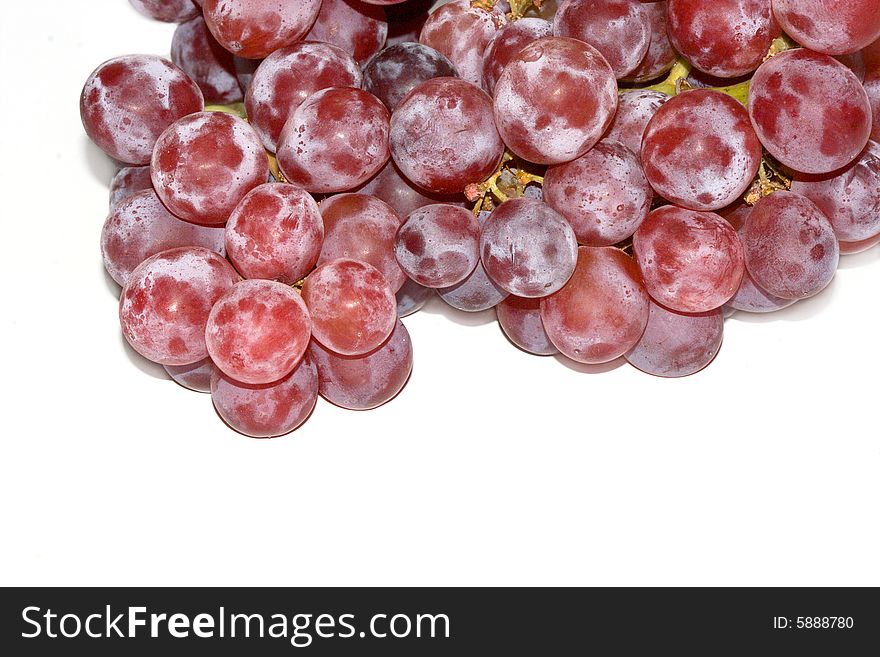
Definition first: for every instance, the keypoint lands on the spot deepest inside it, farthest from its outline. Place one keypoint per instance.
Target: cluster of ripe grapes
(611, 176)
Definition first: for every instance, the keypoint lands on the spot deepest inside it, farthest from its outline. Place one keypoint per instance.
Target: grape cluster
(611, 176)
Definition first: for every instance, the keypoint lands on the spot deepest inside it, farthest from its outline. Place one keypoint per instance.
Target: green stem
(236, 109)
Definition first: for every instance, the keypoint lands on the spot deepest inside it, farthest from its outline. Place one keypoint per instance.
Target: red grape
(752, 299)
(361, 383)
(412, 297)
(140, 227)
(210, 66)
(809, 111)
(127, 102)
(253, 29)
(554, 100)
(439, 245)
(602, 311)
(691, 262)
(335, 141)
(195, 376)
(872, 89)
(405, 20)
(258, 331)
(399, 69)
(604, 194)
(443, 136)
(849, 248)
(507, 43)
(361, 227)
(528, 248)
(128, 181)
(244, 70)
(724, 38)
(520, 319)
(790, 247)
(358, 28)
(269, 410)
(167, 11)
(635, 110)
(661, 55)
(165, 304)
(204, 164)
(352, 307)
(392, 187)
(275, 233)
(835, 28)
(676, 345)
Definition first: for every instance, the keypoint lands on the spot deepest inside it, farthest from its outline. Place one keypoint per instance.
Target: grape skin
(507, 43)
(554, 100)
(198, 54)
(391, 186)
(661, 56)
(520, 319)
(270, 410)
(167, 11)
(127, 102)
(195, 377)
(275, 233)
(850, 248)
(604, 194)
(128, 181)
(362, 383)
(752, 299)
(393, 73)
(634, 111)
(834, 28)
(164, 306)
(700, 151)
(358, 28)
(412, 297)
(258, 331)
(602, 311)
(335, 141)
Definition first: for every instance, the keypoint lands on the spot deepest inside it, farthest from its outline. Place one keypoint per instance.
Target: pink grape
(127, 102)
(443, 136)
(835, 28)
(602, 311)
(270, 410)
(635, 110)
(790, 247)
(438, 245)
(361, 227)
(195, 376)
(872, 90)
(675, 344)
(352, 307)
(554, 100)
(849, 248)
(128, 181)
(140, 227)
(167, 11)
(528, 248)
(258, 331)
(699, 150)
(360, 29)
(412, 297)
(809, 111)
(253, 29)
(661, 55)
(287, 77)
(850, 197)
(520, 319)
(752, 299)
(691, 262)
(724, 38)
(361, 383)
(210, 66)
(604, 194)
(461, 33)
(393, 73)
(507, 43)
(275, 233)
(165, 303)
(392, 187)
(335, 141)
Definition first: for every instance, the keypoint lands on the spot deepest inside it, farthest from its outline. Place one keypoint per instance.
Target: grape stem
(509, 181)
(771, 178)
(236, 109)
(274, 169)
(519, 8)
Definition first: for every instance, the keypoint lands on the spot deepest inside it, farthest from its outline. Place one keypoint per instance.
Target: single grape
(140, 227)
(554, 100)
(443, 136)
(412, 297)
(872, 90)
(752, 299)
(676, 345)
(661, 55)
(167, 11)
(809, 111)
(850, 248)
(528, 248)
(270, 410)
(700, 151)
(835, 28)
(195, 377)
(507, 43)
(361, 383)
(391, 186)
(127, 102)
(520, 319)
(790, 247)
(335, 141)
(352, 307)
(604, 194)
(275, 233)
(361, 227)
(254, 29)
(198, 54)
(165, 303)
(393, 73)
(602, 311)
(360, 29)
(635, 110)
(438, 245)
(128, 181)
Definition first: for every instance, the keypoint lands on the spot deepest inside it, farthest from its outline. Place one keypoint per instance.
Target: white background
(493, 467)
